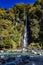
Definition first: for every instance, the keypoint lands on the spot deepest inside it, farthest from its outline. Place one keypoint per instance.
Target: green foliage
(10, 29)
(35, 28)
(12, 23)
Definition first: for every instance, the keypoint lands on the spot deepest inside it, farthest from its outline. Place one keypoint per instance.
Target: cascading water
(25, 34)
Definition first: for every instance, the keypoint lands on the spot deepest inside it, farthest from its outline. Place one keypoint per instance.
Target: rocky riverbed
(22, 52)
(21, 57)
(21, 60)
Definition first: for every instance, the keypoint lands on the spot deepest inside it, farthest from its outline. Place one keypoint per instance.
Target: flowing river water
(20, 58)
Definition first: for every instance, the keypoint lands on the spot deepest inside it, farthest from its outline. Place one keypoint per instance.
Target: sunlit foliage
(12, 23)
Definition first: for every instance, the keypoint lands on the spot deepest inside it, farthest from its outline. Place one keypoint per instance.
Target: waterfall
(25, 34)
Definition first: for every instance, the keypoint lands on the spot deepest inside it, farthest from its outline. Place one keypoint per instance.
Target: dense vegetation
(12, 23)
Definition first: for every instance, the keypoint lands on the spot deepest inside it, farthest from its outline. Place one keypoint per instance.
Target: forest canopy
(12, 24)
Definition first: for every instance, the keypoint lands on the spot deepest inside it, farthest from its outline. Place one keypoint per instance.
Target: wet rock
(21, 60)
(25, 59)
(2, 61)
(10, 59)
(39, 58)
(20, 63)
(30, 64)
(10, 63)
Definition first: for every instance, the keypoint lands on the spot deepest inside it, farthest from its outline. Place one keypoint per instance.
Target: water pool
(20, 58)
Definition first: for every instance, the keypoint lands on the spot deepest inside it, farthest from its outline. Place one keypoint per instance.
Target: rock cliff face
(12, 24)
